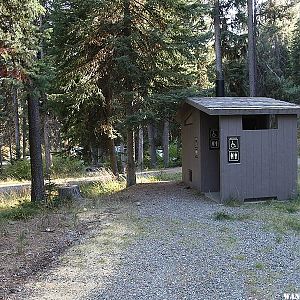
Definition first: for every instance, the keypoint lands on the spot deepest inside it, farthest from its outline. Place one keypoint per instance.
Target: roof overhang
(242, 106)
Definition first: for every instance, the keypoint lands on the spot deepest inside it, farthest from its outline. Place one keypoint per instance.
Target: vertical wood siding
(268, 166)
(210, 159)
(189, 162)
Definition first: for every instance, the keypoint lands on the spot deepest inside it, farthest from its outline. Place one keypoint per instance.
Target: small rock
(48, 229)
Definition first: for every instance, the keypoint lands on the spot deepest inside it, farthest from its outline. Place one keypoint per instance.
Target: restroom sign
(214, 141)
(214, 144)
(233, 145)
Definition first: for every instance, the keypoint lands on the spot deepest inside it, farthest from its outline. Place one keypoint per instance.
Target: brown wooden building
(240, 148)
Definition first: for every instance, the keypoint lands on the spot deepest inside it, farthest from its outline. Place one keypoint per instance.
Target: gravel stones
(169, 246)
(183, 253)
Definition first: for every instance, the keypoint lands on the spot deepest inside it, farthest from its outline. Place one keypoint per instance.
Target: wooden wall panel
(210, 159)
(189, 161)
(268, 165)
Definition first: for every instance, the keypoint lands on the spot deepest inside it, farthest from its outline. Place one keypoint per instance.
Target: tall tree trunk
(130, 170)
(128, 51)
(166, 138)
(1, 145)
(251, 48)
(1, 158)
(48, 158)
(220, 89)
(16, 122)
(152, 148)
(47, 144)
(94, 155)
(37, 177)
(108, 111)
(11, 159)
(24, 133)
(112, 156)
(141, 148)
(123, 157)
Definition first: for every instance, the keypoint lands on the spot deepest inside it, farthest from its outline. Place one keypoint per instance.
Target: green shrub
(61, 166)
(66, 166)
(147, 160)
(175, 155)
(19, 170)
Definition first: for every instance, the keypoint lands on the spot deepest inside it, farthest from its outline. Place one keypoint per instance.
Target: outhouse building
(240, 148)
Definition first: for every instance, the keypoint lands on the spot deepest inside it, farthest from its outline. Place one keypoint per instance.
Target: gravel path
(180, 251)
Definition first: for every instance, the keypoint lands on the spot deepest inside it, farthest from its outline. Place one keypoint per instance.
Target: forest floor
(31, 238)
(157, 240)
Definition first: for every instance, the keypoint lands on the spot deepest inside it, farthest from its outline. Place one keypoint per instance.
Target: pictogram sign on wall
(233, 146)
(214, 141)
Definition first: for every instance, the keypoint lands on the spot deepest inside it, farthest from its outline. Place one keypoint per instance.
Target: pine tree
(133, 49)
(252, 48)
(19, 41)
(296, 54)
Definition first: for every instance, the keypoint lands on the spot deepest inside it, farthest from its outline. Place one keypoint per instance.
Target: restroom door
(210, 153)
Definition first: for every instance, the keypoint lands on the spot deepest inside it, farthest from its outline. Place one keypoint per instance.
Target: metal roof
(242, 105)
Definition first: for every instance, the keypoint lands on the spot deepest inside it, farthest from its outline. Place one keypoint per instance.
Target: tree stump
(69, 192)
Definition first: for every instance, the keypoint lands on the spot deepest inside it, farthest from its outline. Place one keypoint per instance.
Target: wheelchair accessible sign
(233, 145)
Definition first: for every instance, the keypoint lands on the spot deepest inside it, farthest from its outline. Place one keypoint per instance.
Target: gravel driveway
(179, 250)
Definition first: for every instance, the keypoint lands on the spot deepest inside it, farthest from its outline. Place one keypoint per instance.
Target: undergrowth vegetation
(160, 176)
(62, 166)
(14, 206)
(279, 216)
(224, 216)
(23, 211)
(98, 189)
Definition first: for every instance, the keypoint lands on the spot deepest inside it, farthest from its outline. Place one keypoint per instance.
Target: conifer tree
(19, 41)
(296, 54)
(133, 49)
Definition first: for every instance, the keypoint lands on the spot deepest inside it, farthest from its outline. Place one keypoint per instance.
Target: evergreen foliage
(100, 70)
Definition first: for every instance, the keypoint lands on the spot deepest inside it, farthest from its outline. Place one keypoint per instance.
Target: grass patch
(282, 223)
(23, 211)
(233, 202)
(291, 206)
(13, 199)
(293, 224)
(224, 216)
(17, 206)
(162, 176)
(259, 266)
(240, 257)
(98, 189)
